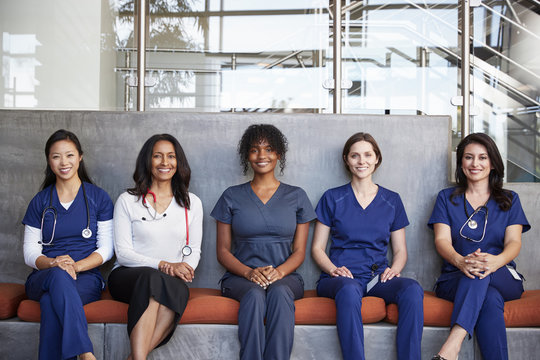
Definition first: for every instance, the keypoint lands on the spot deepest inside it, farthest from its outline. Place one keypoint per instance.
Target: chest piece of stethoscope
(472, 224)
(186, 250)
(86, 233)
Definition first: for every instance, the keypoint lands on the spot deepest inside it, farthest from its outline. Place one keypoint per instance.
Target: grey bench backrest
(415, 163)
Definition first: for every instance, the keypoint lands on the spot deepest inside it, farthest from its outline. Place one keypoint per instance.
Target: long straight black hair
(59, 135)
(143, 170)
(502, 196)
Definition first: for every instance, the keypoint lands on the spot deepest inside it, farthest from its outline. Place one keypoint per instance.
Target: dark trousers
(348, 294)
(479, 305)
(276, 304)
(63, 333)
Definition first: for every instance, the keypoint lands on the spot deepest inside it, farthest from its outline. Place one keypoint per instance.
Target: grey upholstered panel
(415, 152)
(415, 163)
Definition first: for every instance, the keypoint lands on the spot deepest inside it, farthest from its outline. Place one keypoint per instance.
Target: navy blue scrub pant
(276, 304)
(479, 305)
(63, 333)
(348, 294)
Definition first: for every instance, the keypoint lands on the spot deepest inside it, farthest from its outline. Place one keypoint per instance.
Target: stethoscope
(471, 223)
(186, 250)
(86, 233)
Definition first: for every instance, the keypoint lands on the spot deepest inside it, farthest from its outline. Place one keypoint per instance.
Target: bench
(207, 306)
(416, 164)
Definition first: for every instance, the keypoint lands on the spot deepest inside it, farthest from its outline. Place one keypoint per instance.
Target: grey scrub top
(262, 234)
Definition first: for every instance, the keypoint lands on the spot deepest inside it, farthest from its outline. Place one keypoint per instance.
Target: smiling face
(163, 161)
(64, 160)
(475, 163)
(361, 159)
(262, 158)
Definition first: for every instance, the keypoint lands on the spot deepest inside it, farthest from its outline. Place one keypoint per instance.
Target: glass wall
(57, 55)
(232, 55)
(398, 57)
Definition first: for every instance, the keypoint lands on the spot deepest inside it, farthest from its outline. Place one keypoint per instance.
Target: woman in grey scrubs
(262, 230)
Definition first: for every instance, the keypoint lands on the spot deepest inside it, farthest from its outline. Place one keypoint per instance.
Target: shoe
(437, 357)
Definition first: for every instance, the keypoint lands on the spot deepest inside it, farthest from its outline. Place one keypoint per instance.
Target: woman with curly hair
(266, 222)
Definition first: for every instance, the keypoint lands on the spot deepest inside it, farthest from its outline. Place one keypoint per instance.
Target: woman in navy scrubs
(68, 235)
(478, 227)
(266, 222)
(362, 218)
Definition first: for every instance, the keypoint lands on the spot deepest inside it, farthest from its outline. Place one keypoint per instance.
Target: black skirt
(136, 285)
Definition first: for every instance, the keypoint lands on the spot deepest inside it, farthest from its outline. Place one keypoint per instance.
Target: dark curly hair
(256, 133)
(502, 196)
(143, 170)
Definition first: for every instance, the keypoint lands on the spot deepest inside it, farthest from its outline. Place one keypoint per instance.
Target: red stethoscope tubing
(148, 191)
(187, 228)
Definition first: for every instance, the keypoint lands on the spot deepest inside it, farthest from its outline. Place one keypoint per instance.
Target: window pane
(58, 54)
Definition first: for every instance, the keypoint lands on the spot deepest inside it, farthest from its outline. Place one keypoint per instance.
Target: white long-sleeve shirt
(141, 240)
(32, 249)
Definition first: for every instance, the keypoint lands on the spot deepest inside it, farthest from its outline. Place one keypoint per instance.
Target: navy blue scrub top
(360, 236)
(70, 223)
(453, 215)
(262, 234)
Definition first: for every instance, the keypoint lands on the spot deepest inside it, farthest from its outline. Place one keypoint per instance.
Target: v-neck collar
(257, 199)
(58, 205)
(150, 209)
(356, 200)
(468, 204)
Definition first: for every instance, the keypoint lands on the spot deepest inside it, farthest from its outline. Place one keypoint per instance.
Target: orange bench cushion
(524, 311)
(438, 312)
(211, 309)
(207, 306)
(313, 310)
(105, 310)
(10, 297)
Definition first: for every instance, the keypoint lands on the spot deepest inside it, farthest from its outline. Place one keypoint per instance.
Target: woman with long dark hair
(478, 227)
(362, 218)
(262, 229)
(68, 235)
(158, 233)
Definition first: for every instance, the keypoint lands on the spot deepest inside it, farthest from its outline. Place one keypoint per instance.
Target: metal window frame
(142, 24)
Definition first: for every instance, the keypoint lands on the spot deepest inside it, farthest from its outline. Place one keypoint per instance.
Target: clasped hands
(264, 275)
(479, 264)
(180, 270)
(66, 263)
(388, 273)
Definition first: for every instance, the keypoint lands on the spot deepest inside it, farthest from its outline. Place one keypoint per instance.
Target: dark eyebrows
(259, 146)
(471, 154)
